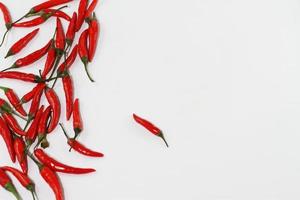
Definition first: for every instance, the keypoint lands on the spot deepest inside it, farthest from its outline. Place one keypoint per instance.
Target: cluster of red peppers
(41, 120)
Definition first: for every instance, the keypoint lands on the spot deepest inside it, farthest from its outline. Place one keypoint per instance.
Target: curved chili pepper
(80, 148)
(83, 51)
(49, 61)
(19, 147)
(71, 29)
(21, 43)
(26, 77)
(7, 184)
(13, 123)
(8, 139)
(57, 166)
(42, 127)
(6, 15)
(34, 22)
(60, 40)
(77, 122)
(68, 62)
(47, 4)
(91, 9)
(31, 58)
(14, 100)
(25, 181)
(28, 96)
(81, 13)
(36, 102)
(150, 127)
(69, 94)
(55, 13)
(32, 131)
(56, 109)
(93, 36)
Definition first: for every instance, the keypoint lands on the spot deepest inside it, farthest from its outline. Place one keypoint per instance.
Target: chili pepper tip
(11, 188)
(9, 53)
(161, 135)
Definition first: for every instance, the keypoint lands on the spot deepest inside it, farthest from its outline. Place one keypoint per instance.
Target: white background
(220, 77)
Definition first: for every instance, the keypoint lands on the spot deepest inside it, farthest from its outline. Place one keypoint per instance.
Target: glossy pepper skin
(51, 56)
(14, 100)
(60, 40)
(6, 15)
(71, 30)
(55, 106)
(55, 13)
(32, 131)
(57, 166)
(29, 95)
(69, 61)
(150, 127)
(21, 43)
(81, 13)
(8, 139)
(13, 123)
(77, 121)
(34, 22)
(42, 127)
(25, 181)
(7, 184)
(19, 147)
(91, 9)
(47, 4)
(26, 77)
(83, 52)
(69, 94)
(93, 30)
(36, 102)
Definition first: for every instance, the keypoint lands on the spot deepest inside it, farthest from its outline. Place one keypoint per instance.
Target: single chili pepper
(55, 13)
(22, 43)
(150, 127)
(13, 123)
(31, 58)
(47, 4)
(19, 147)
(71, 30)
(94, 29)
(57, 166)
(91, 9)
(25, 181)
(7, 184)
(6, 15)
(81, 13)
(36, 102)
(69, 94)
(77, 121)
(83, 52)
(26, 77)
(56, 109)
(69, 61)
(42, 127)
(28, 96)
(14, 100)
(8, 139)
(60, 40)
(49, 61)
(32, 131)
(80, 148)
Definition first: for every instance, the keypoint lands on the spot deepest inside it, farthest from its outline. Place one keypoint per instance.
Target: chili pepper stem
(9, 68)
(64, 131)
(87, 72)
(9, 53)
(4, 36)
(11, 188)
(161, 135)
(15, 113)
(34, 159)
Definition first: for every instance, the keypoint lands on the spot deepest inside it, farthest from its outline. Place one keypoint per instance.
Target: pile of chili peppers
(42, 119)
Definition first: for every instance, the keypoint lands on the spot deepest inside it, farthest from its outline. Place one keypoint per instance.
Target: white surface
(221, 78)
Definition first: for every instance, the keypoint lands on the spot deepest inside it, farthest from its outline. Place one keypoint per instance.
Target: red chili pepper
(19, 147)
(55, 105)
(22, 178)
(13, 123)
(35, 102)
(34, 22)
(83, 51)
(26, 77)
(49, 61)
(47, 4)
(57, 166)
(91, 9)
(81, 13)
(28, 96)
(68, 62)
(71, 29)
(80, 148)
(32, 131)
(22, 43)
(69, 94)
(150, 127)
(7, 184)
(56, 13)
(60, 40)
(14, 100)
(93, 36)
(31, 58)
(6, 15)
(8, 139)
(42, 127)
(77, 122)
